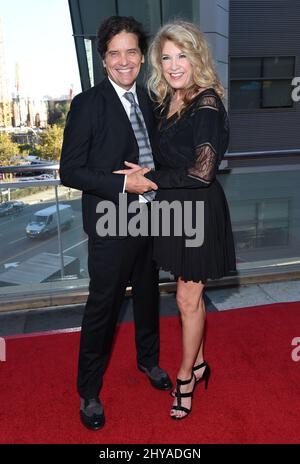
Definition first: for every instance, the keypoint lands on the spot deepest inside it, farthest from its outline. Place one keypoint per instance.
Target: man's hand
(135, 180)
(137, 183)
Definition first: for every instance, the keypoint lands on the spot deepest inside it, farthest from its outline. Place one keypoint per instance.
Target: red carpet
(253, 395)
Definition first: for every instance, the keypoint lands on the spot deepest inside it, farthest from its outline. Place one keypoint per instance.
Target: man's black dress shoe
(157, 376)
(92, 413)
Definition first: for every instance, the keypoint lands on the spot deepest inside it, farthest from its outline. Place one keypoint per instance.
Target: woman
(193, 137)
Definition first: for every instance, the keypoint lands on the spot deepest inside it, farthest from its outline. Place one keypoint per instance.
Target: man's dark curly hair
(116, 24)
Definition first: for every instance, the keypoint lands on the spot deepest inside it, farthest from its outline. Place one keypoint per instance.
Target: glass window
(276, 94)
(245, 67)
(89, 57)
(278, 66)
(263, 82)
(172, 9)
(146, 11)
(260, 223)
(243, 216)
(273, 223)
(270, 210)
(245, 94)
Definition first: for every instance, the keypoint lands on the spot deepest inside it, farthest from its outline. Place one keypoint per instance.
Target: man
(99, 136)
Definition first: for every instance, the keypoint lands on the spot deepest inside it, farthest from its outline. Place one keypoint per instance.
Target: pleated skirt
(215, 256)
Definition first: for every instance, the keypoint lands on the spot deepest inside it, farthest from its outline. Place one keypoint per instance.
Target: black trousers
(112, 263)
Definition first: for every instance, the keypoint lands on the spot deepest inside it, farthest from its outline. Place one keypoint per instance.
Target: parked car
(11, 207)
(44, 177)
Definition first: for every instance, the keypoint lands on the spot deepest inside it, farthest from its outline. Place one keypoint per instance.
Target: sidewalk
(219, 299)
(49, 195)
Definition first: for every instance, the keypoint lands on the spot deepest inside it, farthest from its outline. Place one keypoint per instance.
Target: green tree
(57, 113)
(25, 149)
(50, 143)
(8, 150)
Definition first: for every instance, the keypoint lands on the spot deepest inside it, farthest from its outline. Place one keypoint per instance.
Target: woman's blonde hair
(191, 41)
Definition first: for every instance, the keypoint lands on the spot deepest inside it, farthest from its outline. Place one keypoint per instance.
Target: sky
(37, 34)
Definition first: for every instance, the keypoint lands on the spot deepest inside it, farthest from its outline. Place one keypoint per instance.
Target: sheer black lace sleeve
(209, 130)
(206, 140)
(205, 166)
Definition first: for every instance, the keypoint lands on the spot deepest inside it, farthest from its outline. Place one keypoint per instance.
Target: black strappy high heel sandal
(180, 395)
(205, 376)
(206, 373)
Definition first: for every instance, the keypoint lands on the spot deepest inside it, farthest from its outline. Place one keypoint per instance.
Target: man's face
(123, 59)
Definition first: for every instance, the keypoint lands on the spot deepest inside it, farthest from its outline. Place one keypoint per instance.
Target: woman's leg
(189, 296)
(200, 356)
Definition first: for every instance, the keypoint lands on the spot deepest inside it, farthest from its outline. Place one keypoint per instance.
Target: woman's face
(177, 68)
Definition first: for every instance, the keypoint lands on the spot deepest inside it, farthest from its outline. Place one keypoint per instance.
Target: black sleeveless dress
(190, 149)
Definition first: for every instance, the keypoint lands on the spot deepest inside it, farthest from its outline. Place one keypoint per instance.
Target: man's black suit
(98, 139)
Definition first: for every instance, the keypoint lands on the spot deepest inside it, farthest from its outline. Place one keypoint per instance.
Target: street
(16, 247)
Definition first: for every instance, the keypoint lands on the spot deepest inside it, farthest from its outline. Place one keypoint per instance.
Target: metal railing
(53, 167)
(266, 153)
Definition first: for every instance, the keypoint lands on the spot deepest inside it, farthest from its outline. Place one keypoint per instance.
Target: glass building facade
(87, 16)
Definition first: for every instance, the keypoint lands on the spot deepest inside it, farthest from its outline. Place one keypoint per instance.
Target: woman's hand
(132, 167)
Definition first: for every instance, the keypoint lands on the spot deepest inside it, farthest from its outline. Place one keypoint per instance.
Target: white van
(44, 221)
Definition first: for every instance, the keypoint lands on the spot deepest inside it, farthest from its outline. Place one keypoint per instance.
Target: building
(256, 48)
(5, 104)
(257, 54)
(264, 58)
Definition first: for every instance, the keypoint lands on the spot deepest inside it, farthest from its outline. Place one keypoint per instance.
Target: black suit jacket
(98, 138)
